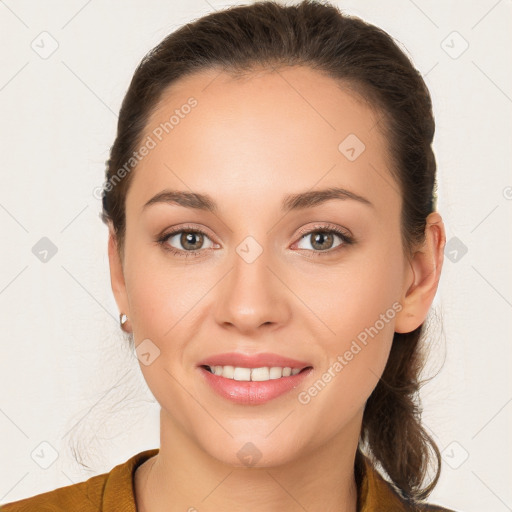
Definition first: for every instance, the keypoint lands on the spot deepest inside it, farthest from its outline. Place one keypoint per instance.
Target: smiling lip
(252, 392)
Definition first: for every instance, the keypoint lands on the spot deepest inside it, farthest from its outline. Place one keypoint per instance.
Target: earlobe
(423, 277)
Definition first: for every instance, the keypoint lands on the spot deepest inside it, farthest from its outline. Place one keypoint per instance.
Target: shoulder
(84, 497)
(107, 492)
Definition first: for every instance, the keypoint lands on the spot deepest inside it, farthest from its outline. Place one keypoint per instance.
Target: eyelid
(325, 226)
(187, 227)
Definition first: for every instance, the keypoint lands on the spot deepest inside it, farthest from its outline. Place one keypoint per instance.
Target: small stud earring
(122, 322)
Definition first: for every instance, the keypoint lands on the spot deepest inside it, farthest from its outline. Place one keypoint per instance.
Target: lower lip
(253, 392)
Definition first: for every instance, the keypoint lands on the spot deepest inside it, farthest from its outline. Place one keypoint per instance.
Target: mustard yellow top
(114, 492)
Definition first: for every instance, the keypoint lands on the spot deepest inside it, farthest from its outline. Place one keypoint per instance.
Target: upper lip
(252, 361)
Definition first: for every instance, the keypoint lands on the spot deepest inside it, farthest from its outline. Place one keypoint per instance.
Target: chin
(248, 451)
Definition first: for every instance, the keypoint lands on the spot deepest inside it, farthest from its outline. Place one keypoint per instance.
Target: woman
(274, 250)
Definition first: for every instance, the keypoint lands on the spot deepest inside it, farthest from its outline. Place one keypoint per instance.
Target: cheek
(162, 293)
(359, 303)
(351, 297)
(356, 356)
(162, 299)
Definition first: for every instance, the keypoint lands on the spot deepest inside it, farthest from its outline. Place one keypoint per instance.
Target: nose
(252, 295)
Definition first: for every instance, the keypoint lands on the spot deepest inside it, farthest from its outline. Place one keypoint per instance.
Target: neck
(183, 477)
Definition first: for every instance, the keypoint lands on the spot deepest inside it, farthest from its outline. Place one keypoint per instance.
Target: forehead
(265, 133)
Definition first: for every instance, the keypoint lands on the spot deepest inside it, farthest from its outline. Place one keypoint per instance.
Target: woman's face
(258, 283)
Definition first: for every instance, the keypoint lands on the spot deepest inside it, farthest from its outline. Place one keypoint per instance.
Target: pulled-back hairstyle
(366, 59)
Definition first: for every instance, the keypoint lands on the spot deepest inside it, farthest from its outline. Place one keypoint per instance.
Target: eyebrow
(290, 202)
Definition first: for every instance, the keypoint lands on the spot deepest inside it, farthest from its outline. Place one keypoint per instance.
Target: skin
(248, 143)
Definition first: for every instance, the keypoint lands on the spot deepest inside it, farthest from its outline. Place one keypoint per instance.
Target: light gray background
(66, 376)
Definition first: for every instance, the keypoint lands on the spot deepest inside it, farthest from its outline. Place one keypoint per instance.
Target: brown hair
(265, 34)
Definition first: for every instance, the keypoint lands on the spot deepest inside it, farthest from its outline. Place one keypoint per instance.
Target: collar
(119, 490)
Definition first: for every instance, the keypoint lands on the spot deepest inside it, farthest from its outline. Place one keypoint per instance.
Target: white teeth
(254, 374)
(242, 374)
(260, 374)
(276, 372)
(226, 371)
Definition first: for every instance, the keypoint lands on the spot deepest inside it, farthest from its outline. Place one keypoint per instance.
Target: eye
(190, 241)
(322, 239)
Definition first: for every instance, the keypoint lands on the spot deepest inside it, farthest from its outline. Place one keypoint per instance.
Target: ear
(422, 279)
(116, 273)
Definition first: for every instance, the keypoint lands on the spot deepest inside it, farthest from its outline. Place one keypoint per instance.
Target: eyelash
(324, 228)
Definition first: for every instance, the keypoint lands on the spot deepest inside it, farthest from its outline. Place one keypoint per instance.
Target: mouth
(260, 374)
(253, 379)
